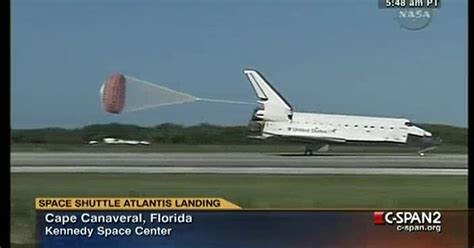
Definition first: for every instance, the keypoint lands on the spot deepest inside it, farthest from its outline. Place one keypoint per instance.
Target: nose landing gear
(421, 152)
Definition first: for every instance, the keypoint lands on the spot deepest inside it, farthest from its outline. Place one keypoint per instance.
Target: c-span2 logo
(410, 221)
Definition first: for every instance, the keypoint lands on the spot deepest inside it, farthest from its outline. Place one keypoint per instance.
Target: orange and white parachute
(122, 93)
(113, 93)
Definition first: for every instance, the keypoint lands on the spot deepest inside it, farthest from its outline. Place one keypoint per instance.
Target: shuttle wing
(308, 139)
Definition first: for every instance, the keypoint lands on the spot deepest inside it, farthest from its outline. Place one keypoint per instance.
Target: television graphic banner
(223, 224)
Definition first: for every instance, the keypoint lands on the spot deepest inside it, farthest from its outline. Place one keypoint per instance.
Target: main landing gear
(309, 149)
(308, 152)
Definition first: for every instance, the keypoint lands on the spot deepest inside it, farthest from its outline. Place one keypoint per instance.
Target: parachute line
(124, 93)
(159, 86)
(224, 101)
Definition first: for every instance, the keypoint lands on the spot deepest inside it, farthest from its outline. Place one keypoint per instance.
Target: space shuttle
(275, 118)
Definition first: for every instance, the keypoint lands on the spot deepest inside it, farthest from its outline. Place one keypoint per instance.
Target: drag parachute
(122, 93)
(113, 93)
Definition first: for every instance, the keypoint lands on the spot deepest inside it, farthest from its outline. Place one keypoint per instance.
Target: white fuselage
(343, 128)
(274, 117)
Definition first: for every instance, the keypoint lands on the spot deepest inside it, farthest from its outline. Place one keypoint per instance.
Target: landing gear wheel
(308, 152)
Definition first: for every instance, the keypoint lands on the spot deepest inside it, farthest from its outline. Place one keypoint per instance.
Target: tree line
(169, 133)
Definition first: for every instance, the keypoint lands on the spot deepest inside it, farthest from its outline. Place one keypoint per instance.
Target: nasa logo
(414, 19)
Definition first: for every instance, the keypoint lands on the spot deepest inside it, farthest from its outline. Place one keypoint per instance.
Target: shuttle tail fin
(276, 107)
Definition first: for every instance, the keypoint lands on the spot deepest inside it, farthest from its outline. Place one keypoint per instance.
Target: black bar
(470, 176)
(5, 97)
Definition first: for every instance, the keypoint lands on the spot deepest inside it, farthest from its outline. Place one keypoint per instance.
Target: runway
(239, 163)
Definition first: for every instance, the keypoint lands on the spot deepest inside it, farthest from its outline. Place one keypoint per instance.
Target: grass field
(445, 148)
(249, 191)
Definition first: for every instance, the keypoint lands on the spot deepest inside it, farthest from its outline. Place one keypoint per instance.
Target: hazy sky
(323, 56)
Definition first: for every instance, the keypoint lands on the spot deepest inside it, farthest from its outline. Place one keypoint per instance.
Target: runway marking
(236, 163)
(238, 170)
